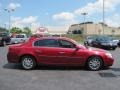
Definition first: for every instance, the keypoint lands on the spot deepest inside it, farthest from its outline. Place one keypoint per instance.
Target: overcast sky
(58, 13)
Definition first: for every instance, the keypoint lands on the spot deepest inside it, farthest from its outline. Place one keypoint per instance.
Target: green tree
(3, 29)
(27, 31)
(16, 30)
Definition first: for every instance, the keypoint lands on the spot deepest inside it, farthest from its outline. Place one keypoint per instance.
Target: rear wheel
(94, 63)
(3, 43)
(28, 62)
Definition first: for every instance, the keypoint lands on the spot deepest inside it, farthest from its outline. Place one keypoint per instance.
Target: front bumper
(108, 46)
(108, 61)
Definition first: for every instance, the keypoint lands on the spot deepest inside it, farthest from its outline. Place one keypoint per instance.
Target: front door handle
(62, 52)
(38, 51)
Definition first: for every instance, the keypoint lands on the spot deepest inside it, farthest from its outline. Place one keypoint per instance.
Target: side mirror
(77, 48)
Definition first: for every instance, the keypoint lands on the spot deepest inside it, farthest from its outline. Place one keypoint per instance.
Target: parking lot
(12, 77)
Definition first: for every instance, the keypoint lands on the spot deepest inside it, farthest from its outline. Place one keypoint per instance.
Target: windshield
(75, 42)
(89, 38)
(113, 38)
(104, 39)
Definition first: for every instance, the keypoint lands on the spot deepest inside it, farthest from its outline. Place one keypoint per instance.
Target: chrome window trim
(52, 47)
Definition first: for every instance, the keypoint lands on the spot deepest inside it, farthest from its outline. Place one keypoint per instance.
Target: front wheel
(28, 62)
(94, 63)
(113, 48)
(86, 43)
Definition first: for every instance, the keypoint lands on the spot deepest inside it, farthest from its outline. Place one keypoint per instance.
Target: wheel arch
(95, 56)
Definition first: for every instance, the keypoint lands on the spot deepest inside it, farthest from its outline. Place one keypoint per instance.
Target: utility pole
(9, 12)
(84, 15)
(5, 26)
(0, 17)
(103, 16)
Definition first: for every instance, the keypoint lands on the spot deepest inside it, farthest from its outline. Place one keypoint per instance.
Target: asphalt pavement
(12, 77)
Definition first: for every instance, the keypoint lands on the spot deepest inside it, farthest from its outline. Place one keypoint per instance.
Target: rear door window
(47, 43)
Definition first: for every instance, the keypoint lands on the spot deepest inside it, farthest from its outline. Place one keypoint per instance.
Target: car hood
(92, 49)
(96, 49)
(82, 46)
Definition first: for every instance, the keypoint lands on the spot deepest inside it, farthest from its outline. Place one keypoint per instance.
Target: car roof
(64, 38)
(55, 38)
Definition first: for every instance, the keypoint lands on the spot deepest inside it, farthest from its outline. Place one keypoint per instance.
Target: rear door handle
(62, 52)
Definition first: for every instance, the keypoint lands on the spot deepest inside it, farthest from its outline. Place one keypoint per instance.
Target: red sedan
(58, 51)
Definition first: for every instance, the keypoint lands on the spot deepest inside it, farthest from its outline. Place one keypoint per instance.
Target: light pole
(5, 26)
(84, 15)
(9, 12)
(0, 17)
(103, 16)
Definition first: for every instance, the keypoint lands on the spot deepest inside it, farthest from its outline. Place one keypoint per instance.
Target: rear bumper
(12, 58)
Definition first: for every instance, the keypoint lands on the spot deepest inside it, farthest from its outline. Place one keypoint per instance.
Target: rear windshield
(20, 36)
(3, 34)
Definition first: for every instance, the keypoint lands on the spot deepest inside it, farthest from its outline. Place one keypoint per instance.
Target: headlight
(109, 54)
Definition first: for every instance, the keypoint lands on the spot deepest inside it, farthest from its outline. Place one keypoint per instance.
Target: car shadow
(60, 68)
(115, 69)
(44, 67)
(115, 72)
(12, 66)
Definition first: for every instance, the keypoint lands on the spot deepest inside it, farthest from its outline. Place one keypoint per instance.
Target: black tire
(3, 43)
(113, 48)
(28, 62)
(119, 44)
(85, 43)
(94, 63)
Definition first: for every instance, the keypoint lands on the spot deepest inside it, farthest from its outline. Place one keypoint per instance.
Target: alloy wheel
(28, 63)
(95, 63)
